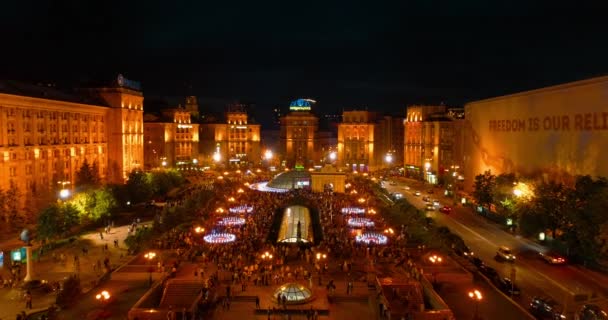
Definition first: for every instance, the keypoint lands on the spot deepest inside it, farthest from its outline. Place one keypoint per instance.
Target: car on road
(436, 203)
(431, 191)
(507, 286)
(393, 183)
(426, 199)
(417, 193)
(489, 272)
(430, 207)
(406, 187)
(476, 262)
(505, 254)
(397, 195)
(552, 257)
(464, 251)
(592, 312)
(545, 308)
(446, 209)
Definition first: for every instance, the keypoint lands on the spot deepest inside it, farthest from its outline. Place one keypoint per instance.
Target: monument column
(29, 267)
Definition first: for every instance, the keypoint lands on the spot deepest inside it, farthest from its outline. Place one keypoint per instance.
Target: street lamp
(268, 155)
(199, 230)
(164, 163)
(267, 256)
(217, 157)
(64, 194)
(103, 296)
(435, 260)
(150, 256)
(388, 158)
(333, 155)
(477, 297)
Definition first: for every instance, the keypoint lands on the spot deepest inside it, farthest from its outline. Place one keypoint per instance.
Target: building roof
(546, 89)
(49, 91)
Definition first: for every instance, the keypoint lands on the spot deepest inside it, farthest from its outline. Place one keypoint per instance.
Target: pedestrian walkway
(83, 256)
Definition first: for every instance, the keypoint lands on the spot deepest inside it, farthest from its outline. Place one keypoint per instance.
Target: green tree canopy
(484, 188)
(87, 176)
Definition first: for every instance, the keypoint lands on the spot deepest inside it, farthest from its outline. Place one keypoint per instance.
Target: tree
(484, 188)
(3, 207)
(49, 223)
(138, 187)
(105, 204)
(87, 176)
(551, 203)
(13, 196)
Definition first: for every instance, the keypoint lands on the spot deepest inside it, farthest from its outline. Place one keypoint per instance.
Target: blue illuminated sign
(301, 105)
(124, 82)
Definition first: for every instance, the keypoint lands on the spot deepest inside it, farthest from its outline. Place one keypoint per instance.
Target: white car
(406, 188)
(505, 254)
(417, 193)
(436, 203)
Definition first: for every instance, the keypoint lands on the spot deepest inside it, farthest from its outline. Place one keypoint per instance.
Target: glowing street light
(333, 156)
(477, 297)
(164, 163)
(195, 161)
(321, 256)
(389, 231)
(435, 259)
(361, 200)
(266, 256)
(240, 190)
(517, 193)
(388, 158)
(103, 296)
(268, 155)
(231, 199)
(149, 256)
(217, 157)
(64, 194)
(427, 166)
(220, 210)
(199, 229)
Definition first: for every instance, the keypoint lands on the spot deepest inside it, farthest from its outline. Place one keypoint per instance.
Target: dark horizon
(346, 57)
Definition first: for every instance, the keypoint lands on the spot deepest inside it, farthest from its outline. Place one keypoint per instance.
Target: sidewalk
(50, 269)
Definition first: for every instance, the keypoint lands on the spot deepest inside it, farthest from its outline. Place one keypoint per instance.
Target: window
(12, 171)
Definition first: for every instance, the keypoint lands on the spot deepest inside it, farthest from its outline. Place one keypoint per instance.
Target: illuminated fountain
(231, 221)
(360, 222)
(371, 238)
(241, 209)
(221, 237)
(353, 210)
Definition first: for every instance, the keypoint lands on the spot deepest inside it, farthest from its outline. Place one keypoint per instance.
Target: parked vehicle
(507, 286)
(430, 207)
(436, 203)
(464, 251)
(489, 272)
(592, 312)
(417, 193)
(552, 257)
(477, 262)
(426, 199)
(545, 309)
(505, 254)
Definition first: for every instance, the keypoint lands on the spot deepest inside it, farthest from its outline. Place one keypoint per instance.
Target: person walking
(257, 302)
(28, 300)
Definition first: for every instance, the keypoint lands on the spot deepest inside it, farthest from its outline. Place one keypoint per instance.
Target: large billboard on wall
(555, 132)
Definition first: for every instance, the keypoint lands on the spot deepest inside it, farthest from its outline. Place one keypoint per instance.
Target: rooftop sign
(301, 105)
(126, 83)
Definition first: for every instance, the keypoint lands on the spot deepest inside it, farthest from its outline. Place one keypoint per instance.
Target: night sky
(357, 54)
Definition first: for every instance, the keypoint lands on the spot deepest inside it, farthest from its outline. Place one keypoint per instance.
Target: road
(533, 275)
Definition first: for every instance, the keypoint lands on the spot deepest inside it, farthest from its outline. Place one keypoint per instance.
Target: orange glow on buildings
(45, 134)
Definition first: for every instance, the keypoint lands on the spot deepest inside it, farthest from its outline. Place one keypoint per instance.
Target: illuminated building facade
(552, 133)
(356, 136)
(235, 142)
(298, 135)
(46, 134)
(171, 140)
(434, 142)
(365, 139)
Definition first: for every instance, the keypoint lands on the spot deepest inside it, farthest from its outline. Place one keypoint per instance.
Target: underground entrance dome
(294, 292)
